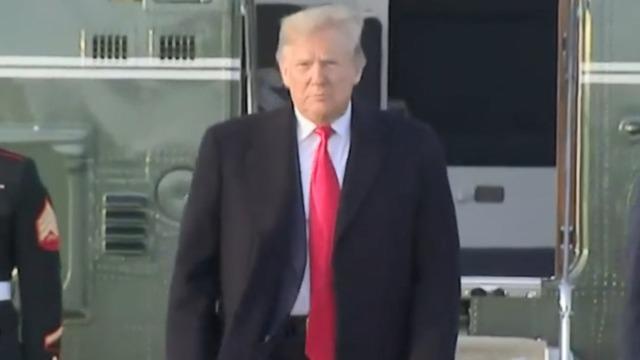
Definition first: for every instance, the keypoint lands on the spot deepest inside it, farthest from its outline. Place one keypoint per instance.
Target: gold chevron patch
(47, 228)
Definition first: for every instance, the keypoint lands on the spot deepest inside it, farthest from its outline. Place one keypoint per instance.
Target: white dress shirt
(308, 141)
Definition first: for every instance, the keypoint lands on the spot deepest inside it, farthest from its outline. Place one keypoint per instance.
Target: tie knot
(324, 132)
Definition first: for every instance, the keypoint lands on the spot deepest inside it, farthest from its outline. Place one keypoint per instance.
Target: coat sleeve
(193, 328)
(631, 319)
(436, 292)
(37, 239)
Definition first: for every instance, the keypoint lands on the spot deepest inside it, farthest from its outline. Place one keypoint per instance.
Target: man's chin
(323, 116)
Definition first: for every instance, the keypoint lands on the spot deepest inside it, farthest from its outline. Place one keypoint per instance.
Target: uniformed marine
(29, 242)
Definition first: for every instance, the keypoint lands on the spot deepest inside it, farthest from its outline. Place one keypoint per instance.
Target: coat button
(266, 339)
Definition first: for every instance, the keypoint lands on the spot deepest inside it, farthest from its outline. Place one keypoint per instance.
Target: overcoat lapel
(369, 141)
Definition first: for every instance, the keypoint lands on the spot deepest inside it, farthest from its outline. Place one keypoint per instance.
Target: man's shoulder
(409, 128)
(11, 161)
(13, 166)
(245, 124)
(7, 156)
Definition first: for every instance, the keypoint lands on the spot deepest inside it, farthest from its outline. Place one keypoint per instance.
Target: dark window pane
(483, 77)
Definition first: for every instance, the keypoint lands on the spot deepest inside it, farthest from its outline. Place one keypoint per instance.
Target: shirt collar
(342, 125)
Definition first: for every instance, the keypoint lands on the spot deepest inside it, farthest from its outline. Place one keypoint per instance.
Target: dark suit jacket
(242, 247)
(631, 317)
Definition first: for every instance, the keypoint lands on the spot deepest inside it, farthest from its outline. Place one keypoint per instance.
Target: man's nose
(318, 73)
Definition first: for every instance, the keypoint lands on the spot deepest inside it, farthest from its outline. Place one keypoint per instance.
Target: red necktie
(323, 208)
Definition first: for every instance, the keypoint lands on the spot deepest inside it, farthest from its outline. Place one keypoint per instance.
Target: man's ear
(284, 72)
(358, 76)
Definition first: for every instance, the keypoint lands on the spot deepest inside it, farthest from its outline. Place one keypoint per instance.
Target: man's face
(320, 71)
